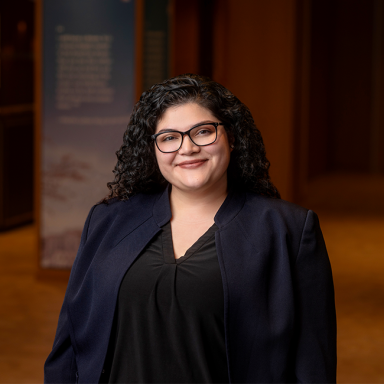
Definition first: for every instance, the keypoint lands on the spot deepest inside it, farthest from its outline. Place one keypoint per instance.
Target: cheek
(164, 160)
(222, 155)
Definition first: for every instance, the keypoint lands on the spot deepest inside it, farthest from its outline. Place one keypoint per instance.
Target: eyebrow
(192, 126)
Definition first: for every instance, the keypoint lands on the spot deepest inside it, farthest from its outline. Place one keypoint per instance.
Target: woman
(194, 269)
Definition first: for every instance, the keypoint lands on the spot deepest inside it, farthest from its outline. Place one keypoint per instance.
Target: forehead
(182, 117)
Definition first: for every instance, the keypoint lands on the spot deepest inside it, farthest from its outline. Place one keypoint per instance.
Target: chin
(193, 187)
(196, 186)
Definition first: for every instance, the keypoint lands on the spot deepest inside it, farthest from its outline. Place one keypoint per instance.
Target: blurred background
(312, 74)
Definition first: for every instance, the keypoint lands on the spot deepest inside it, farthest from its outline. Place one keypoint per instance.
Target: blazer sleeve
(315, 360)
(60, 366)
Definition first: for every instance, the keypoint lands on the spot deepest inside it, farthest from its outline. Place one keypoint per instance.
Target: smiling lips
(192, 163)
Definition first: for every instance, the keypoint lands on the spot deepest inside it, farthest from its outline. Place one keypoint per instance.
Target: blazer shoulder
(109, 222)
(275, 219)
(137, 206)
(280, 206)
(277, 215)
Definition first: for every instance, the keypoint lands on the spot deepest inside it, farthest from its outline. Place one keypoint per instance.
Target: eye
(169, 136)
(204, 130)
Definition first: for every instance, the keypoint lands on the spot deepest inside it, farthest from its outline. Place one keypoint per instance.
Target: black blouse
(169, 322)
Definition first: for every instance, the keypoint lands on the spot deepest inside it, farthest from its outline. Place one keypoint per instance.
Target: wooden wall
(346, 129)
(259, 57)
(254, 57)
(311, 72)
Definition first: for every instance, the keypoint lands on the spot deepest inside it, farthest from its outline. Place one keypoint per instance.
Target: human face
(193, 168)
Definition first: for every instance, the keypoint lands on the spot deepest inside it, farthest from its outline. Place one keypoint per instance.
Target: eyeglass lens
(201, 135)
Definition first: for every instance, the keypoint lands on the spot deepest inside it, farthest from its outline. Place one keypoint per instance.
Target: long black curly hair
(137, 171)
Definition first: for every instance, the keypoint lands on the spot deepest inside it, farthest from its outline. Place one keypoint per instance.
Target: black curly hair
(137, 171)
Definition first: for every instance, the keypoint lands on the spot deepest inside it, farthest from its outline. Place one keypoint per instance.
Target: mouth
(192, 163)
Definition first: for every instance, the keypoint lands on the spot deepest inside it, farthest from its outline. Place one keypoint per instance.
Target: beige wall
(255, 59)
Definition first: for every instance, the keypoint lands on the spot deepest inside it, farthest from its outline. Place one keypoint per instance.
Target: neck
(197, 206)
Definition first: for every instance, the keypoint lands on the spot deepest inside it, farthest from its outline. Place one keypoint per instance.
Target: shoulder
(138, 207)
(276, 214)
(268, 222)
(115, 206)
(271, 205)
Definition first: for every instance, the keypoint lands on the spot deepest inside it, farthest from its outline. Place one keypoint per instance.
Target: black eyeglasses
(201, 135)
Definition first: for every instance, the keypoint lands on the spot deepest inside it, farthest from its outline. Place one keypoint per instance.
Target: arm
(60, 366)
(315, 307)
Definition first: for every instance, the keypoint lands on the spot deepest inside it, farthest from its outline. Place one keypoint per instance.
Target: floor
(352, 218)
(29, 309)
(351, 212)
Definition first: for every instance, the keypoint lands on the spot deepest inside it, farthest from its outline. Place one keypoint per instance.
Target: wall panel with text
(87, 95)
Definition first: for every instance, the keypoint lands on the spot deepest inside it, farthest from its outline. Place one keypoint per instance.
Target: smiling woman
(195, 171)
(200, 161)
(193, 270)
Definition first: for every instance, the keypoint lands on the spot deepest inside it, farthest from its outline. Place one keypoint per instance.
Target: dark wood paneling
(320, 65)
(185, 49)
(341, 86)
(16, 163)
(206, 26)
(17, 32)
(350, 84)
(16, 112)
(193, 28)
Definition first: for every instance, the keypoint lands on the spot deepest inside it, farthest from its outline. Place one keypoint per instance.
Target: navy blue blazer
(280, 322)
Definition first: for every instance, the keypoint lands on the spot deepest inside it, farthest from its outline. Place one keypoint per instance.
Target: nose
(188, 146)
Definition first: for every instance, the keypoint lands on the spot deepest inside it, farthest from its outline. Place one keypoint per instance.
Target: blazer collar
(232, 205)
(162, 208)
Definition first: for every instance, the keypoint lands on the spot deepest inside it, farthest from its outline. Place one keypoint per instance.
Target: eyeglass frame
(188, 133)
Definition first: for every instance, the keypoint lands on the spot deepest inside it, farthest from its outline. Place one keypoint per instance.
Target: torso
(169, 322)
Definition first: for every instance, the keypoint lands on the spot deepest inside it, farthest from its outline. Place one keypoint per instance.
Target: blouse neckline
(167, 242)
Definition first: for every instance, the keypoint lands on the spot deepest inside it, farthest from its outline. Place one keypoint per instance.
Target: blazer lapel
(92, 306)
(131, 232)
